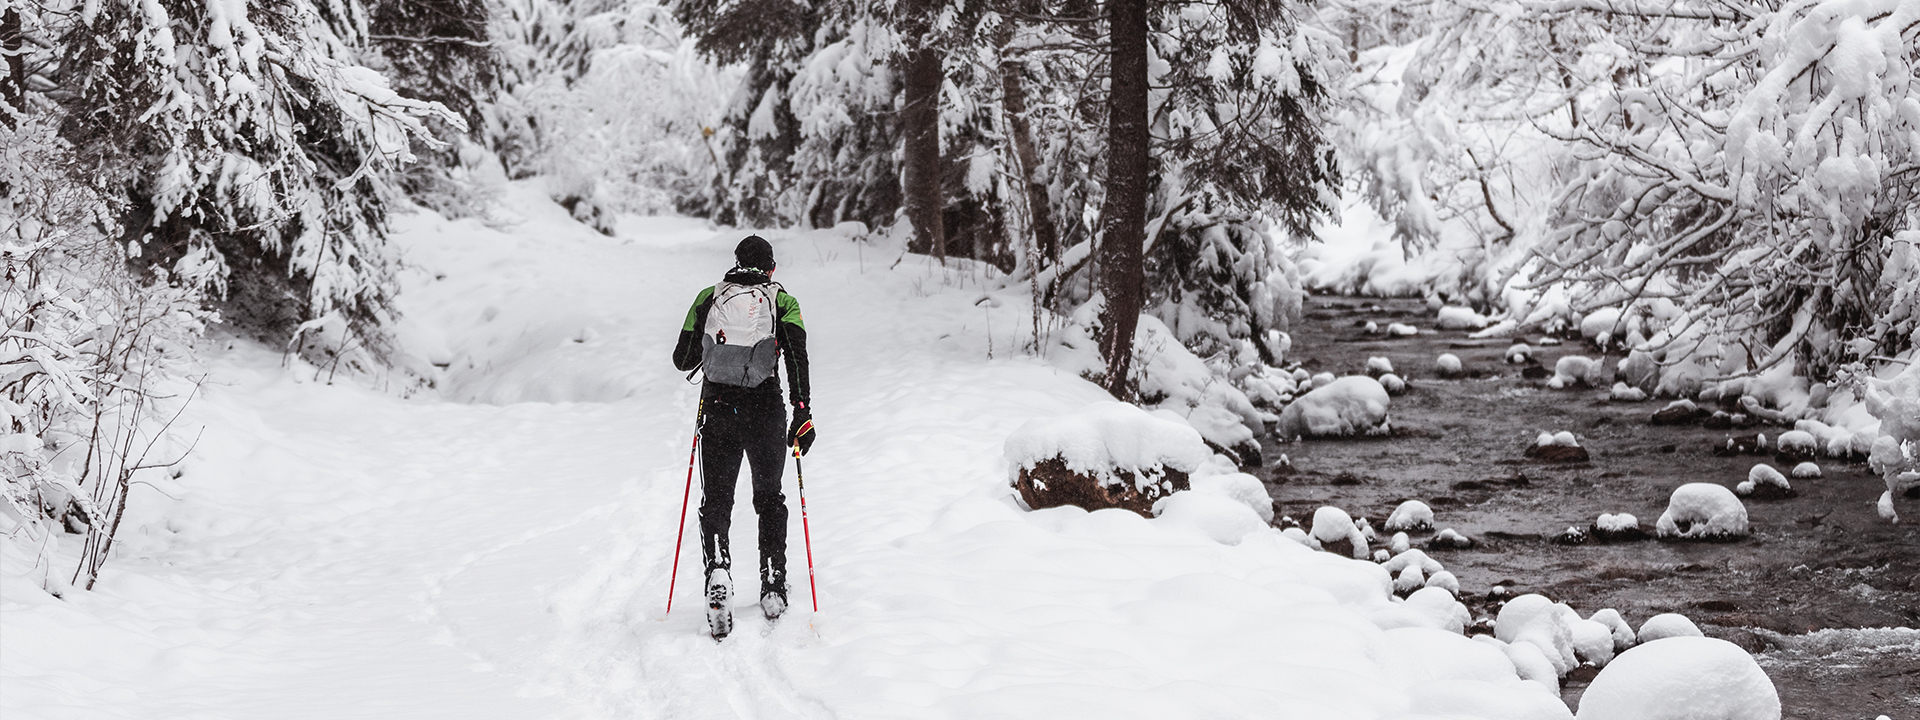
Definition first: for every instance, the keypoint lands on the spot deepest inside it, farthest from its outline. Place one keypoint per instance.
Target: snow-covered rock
(1600, 324)
(1448, 365)
(1796, 446)
(1323, 379)
(1450, 538)
(1393, 384)
(1518, 353)
(1402, 330)
(1377, 366)
(1372, 328)
(1560, 447)
(1334, 530)
(1623, 635)
(1410, 515)
(1409, 579)
(1764, 483)
(1680, 412)
(1667, 625)
(1623, 392)
(1592, 641)
(1575, 370)
(1399, 544)
(1352, 405)
(1412, 558)
(1444, 580)
(1534, 619)
(1702, 511)
(1455, 317)
(1682, 678)
(1532, 664)
(1805, 471)
(1107, 454)
(1617, 527)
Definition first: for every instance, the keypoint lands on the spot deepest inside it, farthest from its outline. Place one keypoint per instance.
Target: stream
(1803, 592)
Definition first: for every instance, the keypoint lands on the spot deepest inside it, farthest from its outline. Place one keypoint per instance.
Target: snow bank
(1702, 511)
(1224, 519)
(1351, 405)
(1104, 437)
(1681, 678)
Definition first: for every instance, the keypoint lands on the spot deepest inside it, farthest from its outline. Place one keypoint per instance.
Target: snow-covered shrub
(1351, 405)
(1702, 511)
(1681, 678)
(254, 155)
(87, 345)
(1896, 452)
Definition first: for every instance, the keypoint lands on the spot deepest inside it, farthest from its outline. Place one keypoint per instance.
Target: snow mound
(1682, 678)
(1107, 436)
(1702, 511)
(1412, 559)
(1377, 366)
(1409, 579)
(1454, 317)
(1331, 526)
(1448, 365)
(1240, 487)
(1600, 325)
(1592, 641)
(1402, 330)
(1806, 470)
(1224, 519)
(1518, 353)
(1534, 619)
(1399, 544)
(1410, 515)
(1439, 607)
(1667, 625)
(1451, 538)
(1348, 406)
(1323, 379)
(1444, 580)
(1372, 328)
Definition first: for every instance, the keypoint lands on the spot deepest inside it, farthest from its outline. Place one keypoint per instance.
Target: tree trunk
(1123, 218)
(13, 85)
(1039, 206)
(920, 121)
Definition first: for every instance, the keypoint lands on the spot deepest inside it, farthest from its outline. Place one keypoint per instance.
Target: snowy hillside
(500, 547)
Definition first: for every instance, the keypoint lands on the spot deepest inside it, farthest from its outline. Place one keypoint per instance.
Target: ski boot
(719, 618)
(773, 603)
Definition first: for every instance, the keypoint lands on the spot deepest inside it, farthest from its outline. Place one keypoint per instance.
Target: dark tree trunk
(13, 85)
(920, 124)
(1039, 206)
(1124, 217)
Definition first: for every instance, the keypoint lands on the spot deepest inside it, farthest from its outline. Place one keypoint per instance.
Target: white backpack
(738, 347)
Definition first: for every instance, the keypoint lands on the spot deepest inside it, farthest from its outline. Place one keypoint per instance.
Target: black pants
(758, 430)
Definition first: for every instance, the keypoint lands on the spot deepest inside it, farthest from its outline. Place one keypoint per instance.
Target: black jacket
(789, 333)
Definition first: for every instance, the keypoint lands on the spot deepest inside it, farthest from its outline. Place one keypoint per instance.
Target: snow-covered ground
(500, 546)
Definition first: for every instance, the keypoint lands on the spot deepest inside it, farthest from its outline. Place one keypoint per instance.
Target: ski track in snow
(339, 552)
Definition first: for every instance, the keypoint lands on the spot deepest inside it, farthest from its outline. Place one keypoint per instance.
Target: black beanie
(754, 253)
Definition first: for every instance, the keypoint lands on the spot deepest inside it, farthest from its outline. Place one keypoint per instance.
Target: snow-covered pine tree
(256, 153)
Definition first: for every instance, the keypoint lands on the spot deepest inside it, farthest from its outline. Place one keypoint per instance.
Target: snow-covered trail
(331, 551)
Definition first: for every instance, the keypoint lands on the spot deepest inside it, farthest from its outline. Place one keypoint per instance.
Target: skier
(735, 332)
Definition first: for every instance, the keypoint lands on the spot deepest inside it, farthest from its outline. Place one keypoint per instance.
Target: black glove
(800, 433)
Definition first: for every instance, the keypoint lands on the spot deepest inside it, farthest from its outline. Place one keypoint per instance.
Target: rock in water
(1702, 511)
(1681, 678)
(1617, 528)
(1351, 405)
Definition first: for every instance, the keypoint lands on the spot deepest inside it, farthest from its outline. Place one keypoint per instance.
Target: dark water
(1815, 565)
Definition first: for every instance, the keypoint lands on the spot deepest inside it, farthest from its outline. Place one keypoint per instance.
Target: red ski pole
(685, 497)
(806, 533)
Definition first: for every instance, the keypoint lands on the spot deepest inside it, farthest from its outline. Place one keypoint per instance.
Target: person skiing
(735, 333)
